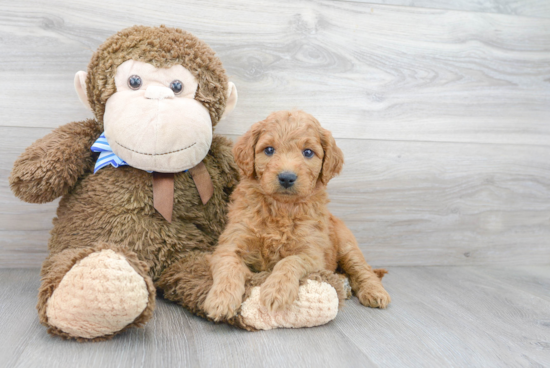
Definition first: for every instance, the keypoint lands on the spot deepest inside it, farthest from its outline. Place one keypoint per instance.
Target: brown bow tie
(163, 189)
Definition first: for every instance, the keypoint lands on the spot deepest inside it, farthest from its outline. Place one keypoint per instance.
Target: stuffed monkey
(144, 188)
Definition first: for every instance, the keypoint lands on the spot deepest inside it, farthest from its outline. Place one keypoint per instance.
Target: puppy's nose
(287, 179)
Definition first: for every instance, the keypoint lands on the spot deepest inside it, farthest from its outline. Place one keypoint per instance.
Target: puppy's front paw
(220, 304)
(374, 296)
(277, 295)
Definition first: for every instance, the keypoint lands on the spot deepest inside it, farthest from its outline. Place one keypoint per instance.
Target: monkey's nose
(158, 93)
(287, 179)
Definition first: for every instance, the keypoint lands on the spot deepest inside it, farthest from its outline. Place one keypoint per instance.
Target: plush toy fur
(109, 248)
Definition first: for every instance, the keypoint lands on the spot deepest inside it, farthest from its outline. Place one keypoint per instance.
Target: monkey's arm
(50, 167)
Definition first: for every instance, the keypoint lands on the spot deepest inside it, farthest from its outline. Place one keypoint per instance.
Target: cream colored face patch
(153, 121)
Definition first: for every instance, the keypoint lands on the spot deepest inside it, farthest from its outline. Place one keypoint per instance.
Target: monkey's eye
(308, 153)
(176, 86)
(134, 82)
(269, 151)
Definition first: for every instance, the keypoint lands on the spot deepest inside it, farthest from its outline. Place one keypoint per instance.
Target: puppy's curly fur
(281, 223)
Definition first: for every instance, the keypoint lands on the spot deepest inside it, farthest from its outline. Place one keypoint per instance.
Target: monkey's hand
(51, 166)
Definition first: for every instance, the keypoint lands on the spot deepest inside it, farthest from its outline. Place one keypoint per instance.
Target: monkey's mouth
(156, 154)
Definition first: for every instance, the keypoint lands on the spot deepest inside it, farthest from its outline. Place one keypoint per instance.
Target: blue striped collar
(106, 155)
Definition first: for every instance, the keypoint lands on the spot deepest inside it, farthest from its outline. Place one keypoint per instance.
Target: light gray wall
(442, 109)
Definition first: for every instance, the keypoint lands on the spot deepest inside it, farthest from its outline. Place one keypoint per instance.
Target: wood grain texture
(439, 316)
(408, 203)
(366, 71)
(527, 8)
(443, 115)
(425, 203)
(457, 316)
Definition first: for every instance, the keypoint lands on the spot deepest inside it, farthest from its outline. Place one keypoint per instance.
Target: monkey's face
(159, 106)
(153, 121)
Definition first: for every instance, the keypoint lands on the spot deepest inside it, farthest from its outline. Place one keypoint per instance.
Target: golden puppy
(279, 220)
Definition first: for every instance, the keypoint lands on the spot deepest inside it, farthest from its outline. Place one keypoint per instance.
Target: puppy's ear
(333, 159)
(244, 149)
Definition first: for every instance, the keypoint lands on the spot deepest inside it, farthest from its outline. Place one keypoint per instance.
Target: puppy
(279, 220)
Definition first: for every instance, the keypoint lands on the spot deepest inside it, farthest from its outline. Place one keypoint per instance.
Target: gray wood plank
(528, 8)
(425, 203)
(408, 203)
(366, 71)
(455, 316)
(439, 316)
(530, 280)
(23, 249)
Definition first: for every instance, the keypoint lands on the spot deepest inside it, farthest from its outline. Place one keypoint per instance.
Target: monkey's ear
(80, 87)
(231, 101)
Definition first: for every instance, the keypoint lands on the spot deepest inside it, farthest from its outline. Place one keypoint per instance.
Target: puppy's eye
(308, 153)
(176, 86)
(269, 151)
(134, 82)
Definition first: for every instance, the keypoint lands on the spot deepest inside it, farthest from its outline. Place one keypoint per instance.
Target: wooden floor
(439, 317)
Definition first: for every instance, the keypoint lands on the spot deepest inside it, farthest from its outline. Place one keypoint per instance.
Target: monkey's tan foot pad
(99, 296)
(316, 305)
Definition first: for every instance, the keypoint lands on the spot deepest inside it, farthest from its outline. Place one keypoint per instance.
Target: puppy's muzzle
(287, 179)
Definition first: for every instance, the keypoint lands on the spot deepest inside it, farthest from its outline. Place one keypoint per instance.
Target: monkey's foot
(317, 304)
(99, 296)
